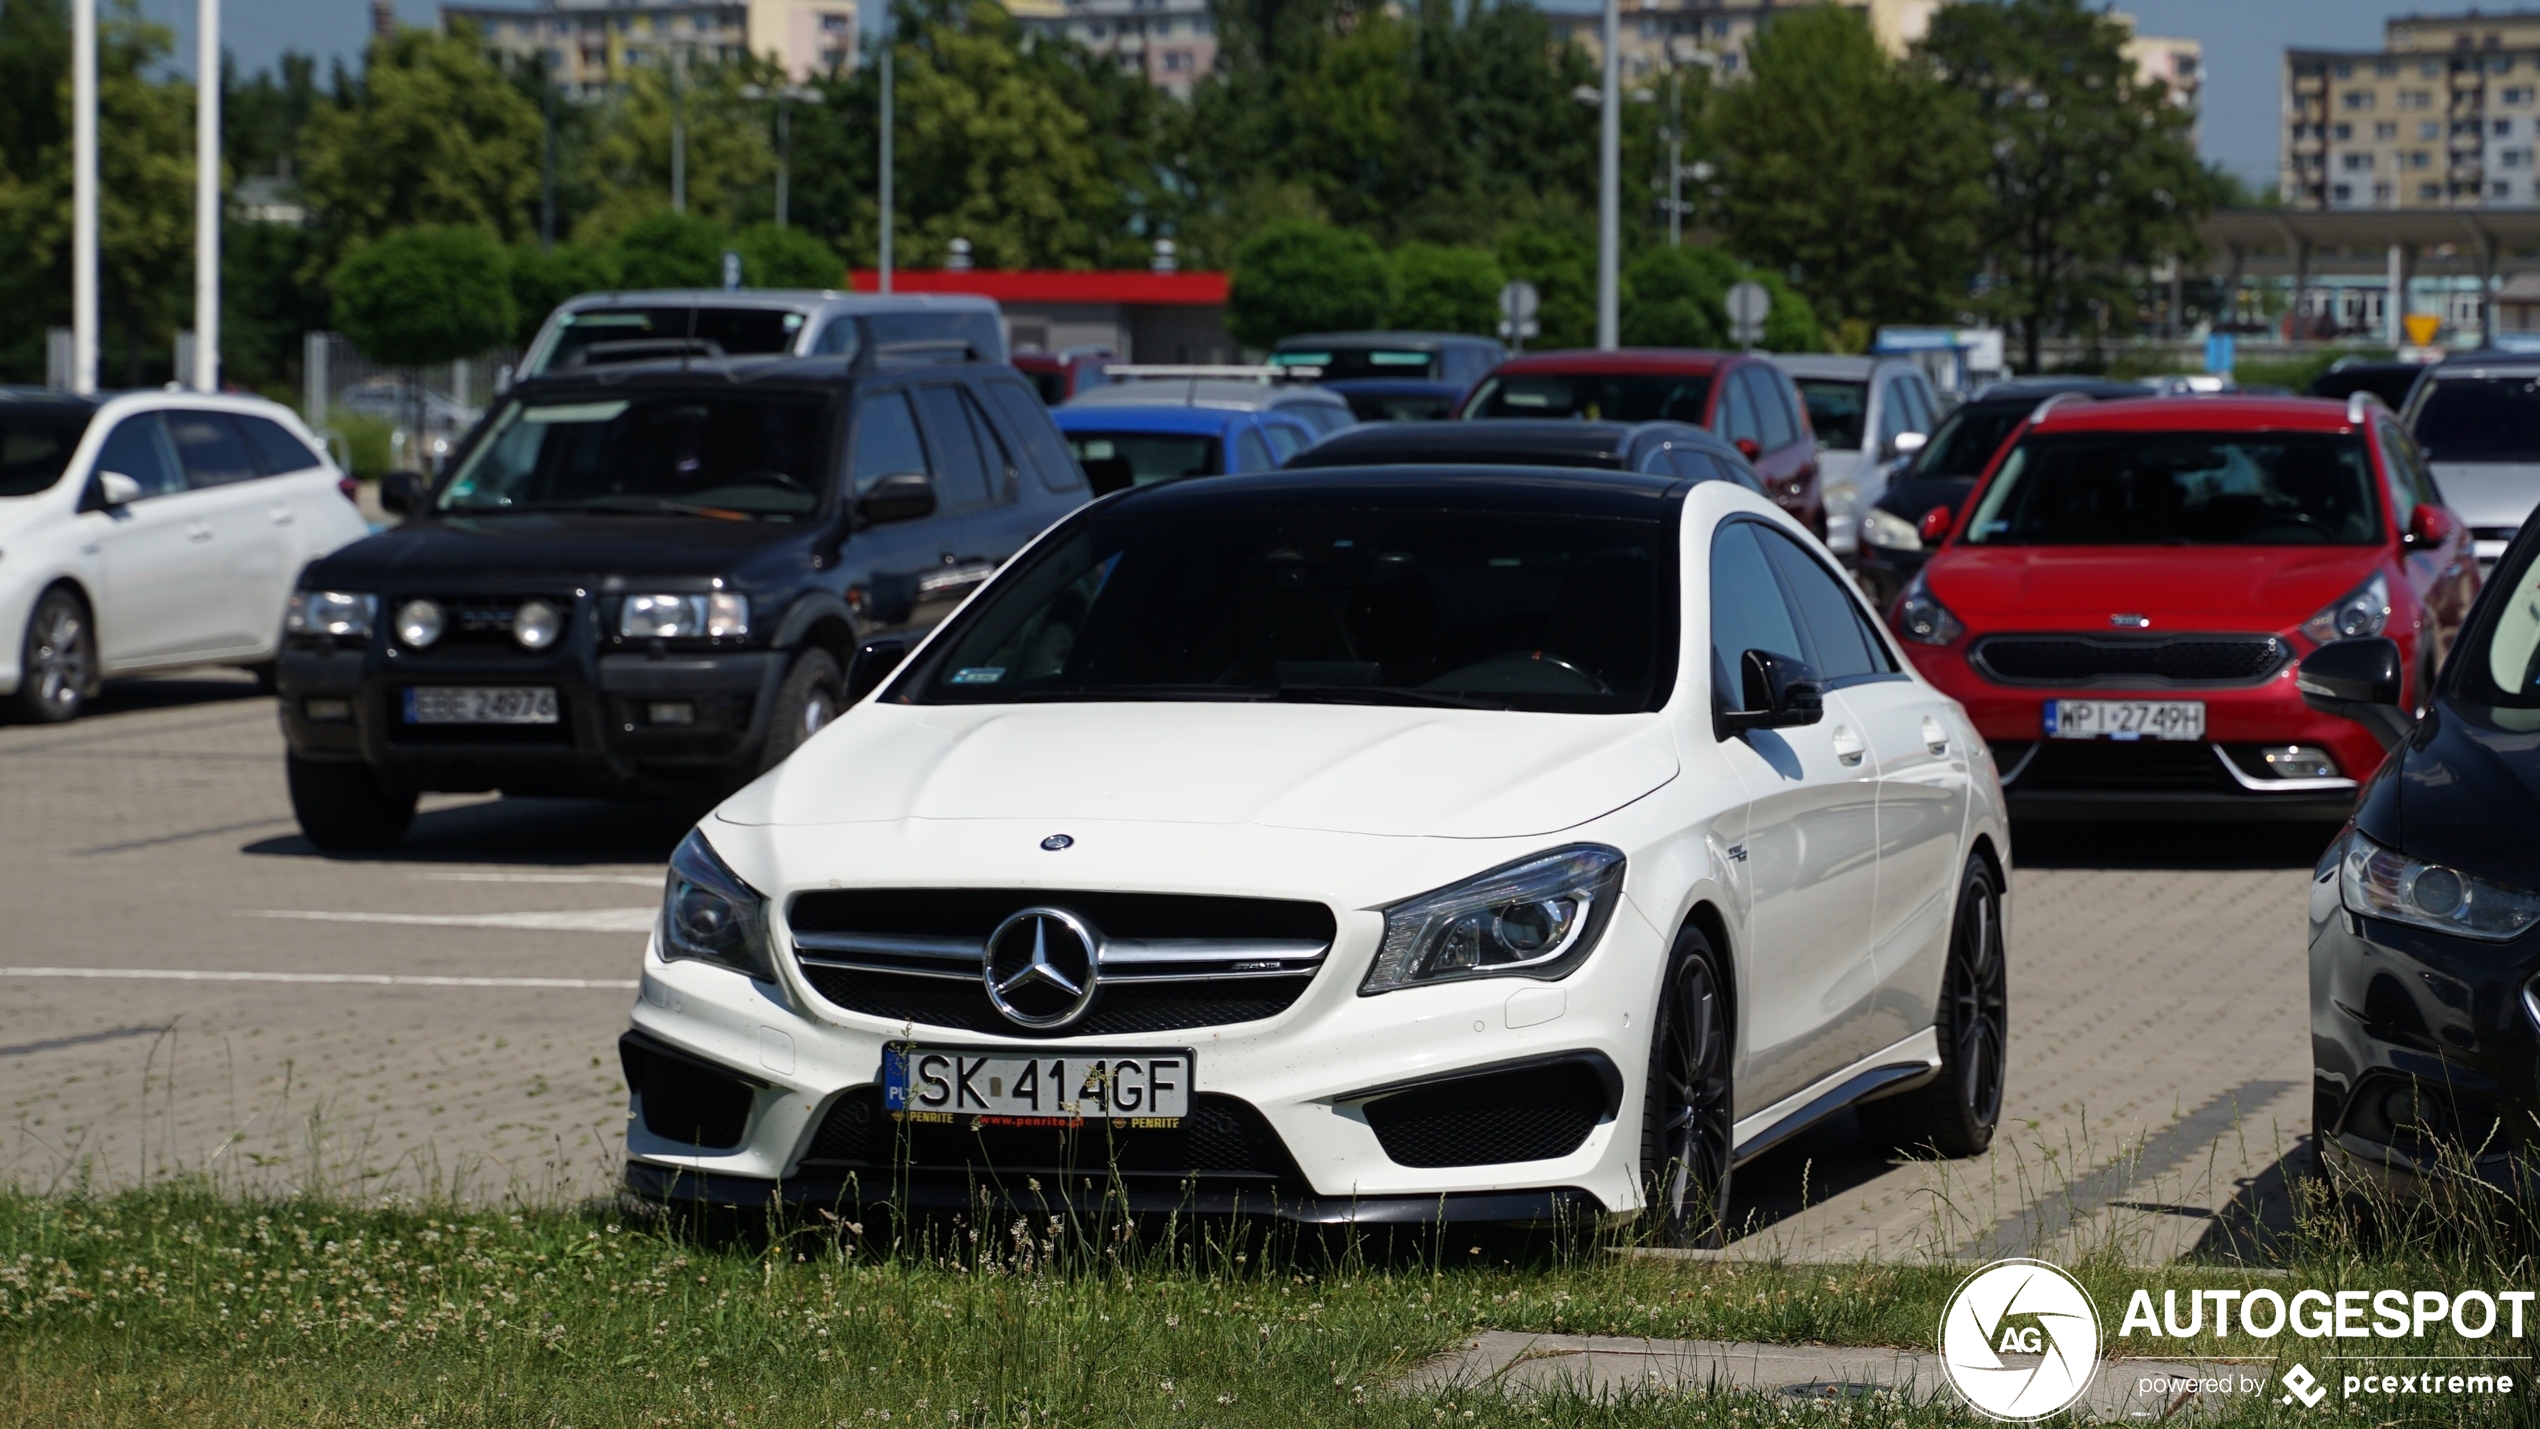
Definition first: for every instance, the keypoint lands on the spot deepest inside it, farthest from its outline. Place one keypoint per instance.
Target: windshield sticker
(978, 675)
(576, 412)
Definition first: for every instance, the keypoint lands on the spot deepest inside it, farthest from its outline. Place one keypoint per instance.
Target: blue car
(1123, 445)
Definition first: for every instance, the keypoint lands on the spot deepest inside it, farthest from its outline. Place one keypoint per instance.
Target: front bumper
(2425, 1051)
(2220, 777)
(349, 704)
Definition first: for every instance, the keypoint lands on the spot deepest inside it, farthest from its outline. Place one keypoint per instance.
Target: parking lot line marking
(591, 920)
(632, 880)
(366, 979)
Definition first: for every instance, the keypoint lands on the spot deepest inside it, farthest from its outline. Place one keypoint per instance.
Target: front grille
(1169, 961)
(2167, 660)
(1534, 1114)
(479, 627)
(1223, 1138)
(2075, 766)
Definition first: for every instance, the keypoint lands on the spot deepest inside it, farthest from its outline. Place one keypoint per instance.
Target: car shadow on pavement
(2154, 845)
(545, 832)
(1815, 1166)
(211, 685)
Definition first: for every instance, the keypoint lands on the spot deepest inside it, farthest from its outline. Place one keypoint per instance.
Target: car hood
(562, 544)
(1331, 768)
(2489, 493)
(2174, 587)
(2464, 779)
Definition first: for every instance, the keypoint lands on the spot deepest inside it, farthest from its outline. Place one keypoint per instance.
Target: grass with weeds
(180, 1304)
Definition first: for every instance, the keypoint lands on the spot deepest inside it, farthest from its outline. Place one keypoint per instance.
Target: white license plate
(505, 704)
(949, 1082)
(2125, 719)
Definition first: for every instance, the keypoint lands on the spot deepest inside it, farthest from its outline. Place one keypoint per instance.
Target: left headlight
(330, 612)
(719, 616)
(2365, 610)
(709, 914)
(2379, 882)
(1921, 618)
(1538, 918)
(1885, 529)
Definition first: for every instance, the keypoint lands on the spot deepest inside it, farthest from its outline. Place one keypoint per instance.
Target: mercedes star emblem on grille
(1041, 967)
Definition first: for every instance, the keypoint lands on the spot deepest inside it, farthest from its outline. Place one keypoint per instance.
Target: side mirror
(905, 496)
(2430, 525)
(873, 662)
(1748, 448)
(114, 489)
(1781, 691)
(2358, 679)
(403, 492)
(1908, 443)
(1935, 523)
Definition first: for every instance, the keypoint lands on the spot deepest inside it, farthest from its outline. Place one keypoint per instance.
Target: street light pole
(1609, 188)
(207, 195)
(784, 156)
(546, 157)
(84, 196)
(884, 267)
(1675, 157)
(678, 132)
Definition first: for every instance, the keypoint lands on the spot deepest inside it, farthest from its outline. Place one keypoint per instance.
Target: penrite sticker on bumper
(1146, 1088)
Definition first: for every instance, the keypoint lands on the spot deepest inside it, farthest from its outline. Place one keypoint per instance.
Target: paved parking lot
(186, 984)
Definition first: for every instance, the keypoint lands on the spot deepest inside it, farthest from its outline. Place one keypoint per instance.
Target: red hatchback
(1741, 396)
(2122, 599)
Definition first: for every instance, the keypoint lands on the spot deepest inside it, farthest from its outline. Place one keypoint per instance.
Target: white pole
(83, 196)
(207, 195)
(884, 255)
(1609, 189)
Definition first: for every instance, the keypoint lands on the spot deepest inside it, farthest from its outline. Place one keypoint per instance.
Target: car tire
(1955, 1113)
(347, 807)
(1688, 1117)
(805, 703)
(57, 661)
(268, 676)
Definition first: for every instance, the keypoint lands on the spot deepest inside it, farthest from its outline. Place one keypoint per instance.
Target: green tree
(731, 168)
(425, 295)
(2092, 170)
(1678, 297)
(541, 278)
(1561, 262)
(1303, 277)
(670, 250)
(433, 134)
(1441, 289)
(773, 257)
(1860, 177)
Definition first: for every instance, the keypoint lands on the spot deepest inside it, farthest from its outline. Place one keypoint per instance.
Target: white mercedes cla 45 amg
(1484, 844)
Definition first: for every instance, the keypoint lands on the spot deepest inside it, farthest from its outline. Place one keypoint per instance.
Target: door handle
(1935, 738)
(1848, 748)
(282, 516)
(197, 532)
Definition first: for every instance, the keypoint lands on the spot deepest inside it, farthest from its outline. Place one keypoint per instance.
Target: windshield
(2499, 662)
(2180, 489)
(2481, 419)
(1337, 362)
(1603, 398)
(596, 337)
(1836, 408)
(1529, 611)
(1378, 407)
(1115, 461)
(724, 454)
(1967, 439)
(35, 447)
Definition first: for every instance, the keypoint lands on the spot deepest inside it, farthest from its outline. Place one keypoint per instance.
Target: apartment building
(2441, 116)
(1170, 42)
(588, 45)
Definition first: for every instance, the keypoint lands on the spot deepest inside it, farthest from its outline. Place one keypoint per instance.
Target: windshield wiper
(656, 505)
(1381, 695)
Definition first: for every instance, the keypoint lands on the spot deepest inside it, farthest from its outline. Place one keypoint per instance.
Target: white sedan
(1371, 845)
(152, 530)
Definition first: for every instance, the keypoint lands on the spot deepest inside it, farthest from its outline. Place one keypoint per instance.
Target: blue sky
(2244, 48)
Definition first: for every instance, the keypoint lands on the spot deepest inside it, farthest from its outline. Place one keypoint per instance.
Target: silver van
(602, 329)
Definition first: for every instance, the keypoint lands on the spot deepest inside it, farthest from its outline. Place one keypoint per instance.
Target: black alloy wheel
(805, 704)
(57, 665)
(1688, 1127)
(1955, 1113)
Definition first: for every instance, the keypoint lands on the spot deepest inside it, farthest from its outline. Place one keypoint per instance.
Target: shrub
(1306, 277)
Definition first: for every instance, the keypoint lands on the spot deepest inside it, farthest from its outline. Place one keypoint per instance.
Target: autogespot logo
(2020, 1339)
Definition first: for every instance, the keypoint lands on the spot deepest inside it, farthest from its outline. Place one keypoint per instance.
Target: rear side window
(886, 441)
(1737, 416)
(1284, 440)
(276, 449)
(1002, 468)
(210, 448)
(1845, 653)
(1029, 423)
(1747, 611)
(1253, 454)
(961, 471)
(1772, 410)
(138, 448)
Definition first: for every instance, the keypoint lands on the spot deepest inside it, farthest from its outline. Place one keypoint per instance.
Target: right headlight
(2365, 610)
(329, 612)
(721, 615)
(1921, 618)
(1538, 918)
(709, 914)
(2380, 882)
(1885, 529)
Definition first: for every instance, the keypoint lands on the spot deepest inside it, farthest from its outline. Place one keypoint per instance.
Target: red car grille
(2115, 660)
